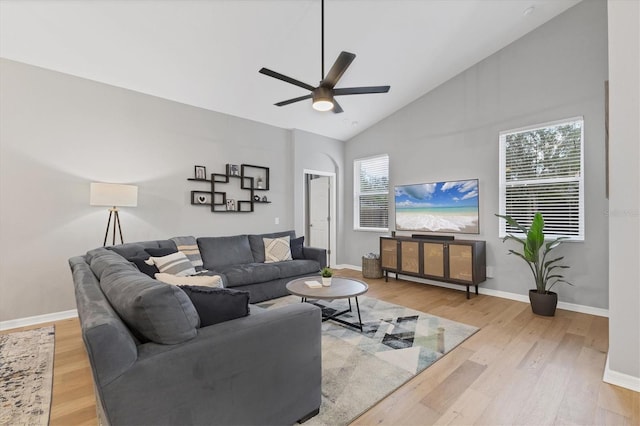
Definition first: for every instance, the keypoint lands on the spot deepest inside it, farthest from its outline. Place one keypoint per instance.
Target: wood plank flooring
(518, 369)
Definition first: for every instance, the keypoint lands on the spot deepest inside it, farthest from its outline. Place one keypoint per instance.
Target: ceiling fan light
(322, 105)
(322, 99)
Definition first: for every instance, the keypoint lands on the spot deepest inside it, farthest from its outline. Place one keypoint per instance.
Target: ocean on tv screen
(438, 207)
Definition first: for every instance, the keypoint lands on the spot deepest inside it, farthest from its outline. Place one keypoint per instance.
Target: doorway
(319, 201)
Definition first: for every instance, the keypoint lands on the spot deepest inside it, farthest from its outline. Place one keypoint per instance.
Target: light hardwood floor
(518, 369)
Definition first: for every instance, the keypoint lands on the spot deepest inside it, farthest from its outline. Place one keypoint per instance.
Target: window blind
(371, 193)
(541, 170)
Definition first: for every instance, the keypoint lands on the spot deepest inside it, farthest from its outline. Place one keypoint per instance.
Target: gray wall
(624, 199)
(557, 71)
(323, 154)
(59, 133)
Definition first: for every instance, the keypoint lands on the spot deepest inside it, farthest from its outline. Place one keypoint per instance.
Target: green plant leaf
(512, 222)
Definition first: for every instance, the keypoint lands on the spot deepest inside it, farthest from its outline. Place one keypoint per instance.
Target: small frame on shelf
(233, 170)
(200, 172)
(231, 205)
(259, 174)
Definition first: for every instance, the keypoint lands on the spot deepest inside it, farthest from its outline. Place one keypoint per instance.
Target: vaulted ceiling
(207, 53)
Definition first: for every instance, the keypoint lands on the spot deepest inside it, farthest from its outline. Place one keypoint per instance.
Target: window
(371, 193)
(541, 169)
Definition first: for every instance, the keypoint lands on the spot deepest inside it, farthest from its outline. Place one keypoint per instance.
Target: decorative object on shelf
(200, 172)
(326, 274)
(201, 198)
(264, 199)
(256, 198)
(231, 205)
(545, 272)
(114, 195)
(259, 174)
(233, 170)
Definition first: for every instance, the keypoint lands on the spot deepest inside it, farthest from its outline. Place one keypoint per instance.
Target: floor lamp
(114, 195)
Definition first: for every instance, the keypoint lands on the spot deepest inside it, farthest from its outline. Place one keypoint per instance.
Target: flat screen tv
(438, 207)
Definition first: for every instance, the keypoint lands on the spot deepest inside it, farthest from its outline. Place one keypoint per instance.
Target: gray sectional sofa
(153, 364)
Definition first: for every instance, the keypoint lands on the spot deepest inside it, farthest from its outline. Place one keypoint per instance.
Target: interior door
(319, 190)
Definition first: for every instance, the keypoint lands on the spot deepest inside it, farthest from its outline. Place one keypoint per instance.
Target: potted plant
(545, 272)
(326, 274)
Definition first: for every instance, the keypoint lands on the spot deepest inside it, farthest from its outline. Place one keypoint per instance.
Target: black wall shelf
(248, 176)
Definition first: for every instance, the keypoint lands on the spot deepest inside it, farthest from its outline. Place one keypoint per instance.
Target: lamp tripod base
(116, 224)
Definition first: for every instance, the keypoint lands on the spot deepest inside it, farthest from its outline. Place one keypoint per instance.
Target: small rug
(26, 376)
(361, 368)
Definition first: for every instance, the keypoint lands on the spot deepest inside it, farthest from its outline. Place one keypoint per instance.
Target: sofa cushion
(257, 245)
(296, 247)
(215, 305)
(197, 280)
(101, 258)
(130, 250)
(174, 263)
(297, 267)
(159, 312)
(159, 252)
(249, 273)
(223, 251)
(276, 249)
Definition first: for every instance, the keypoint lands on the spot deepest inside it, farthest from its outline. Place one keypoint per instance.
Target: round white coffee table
(340, 288)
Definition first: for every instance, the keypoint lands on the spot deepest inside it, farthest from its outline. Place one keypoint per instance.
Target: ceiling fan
(324, 95)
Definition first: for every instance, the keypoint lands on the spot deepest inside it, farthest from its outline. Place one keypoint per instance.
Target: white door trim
(333, 226)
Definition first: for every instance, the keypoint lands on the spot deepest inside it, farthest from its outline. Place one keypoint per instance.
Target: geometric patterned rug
(361, 368)
(26, 376)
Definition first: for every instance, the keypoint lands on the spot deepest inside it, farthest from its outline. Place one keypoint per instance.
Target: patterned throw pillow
(197, 280)
(189, 247)
(174, 264)
(276, 249)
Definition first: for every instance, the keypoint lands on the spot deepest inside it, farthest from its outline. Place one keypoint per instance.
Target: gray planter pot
(543, 303)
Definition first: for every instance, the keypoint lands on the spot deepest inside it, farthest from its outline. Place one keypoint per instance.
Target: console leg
(468, 296)
(310, 415)
(476, 289)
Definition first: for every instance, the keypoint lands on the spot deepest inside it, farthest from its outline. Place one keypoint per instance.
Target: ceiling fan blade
(339, 67)
(360, 90)
(282, 77)
(290, 101)
(337, 109)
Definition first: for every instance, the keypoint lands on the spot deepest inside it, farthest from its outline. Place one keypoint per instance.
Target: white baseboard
(355, 268)
(38, 319)
(497, 293)
(620, 379)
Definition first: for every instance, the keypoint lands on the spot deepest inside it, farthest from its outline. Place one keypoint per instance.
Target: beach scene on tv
(438, 207)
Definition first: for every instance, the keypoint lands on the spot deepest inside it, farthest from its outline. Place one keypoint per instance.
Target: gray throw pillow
(215, 305)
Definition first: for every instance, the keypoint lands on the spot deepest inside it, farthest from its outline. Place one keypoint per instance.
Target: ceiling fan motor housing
(323, 98)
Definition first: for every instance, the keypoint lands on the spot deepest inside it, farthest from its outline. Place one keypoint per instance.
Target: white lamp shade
(113, 194)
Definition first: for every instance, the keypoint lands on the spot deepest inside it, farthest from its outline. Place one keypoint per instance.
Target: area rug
(361, 368)
(26, 376)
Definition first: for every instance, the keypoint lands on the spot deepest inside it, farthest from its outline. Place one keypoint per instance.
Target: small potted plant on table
(326, 274)
(545, 272)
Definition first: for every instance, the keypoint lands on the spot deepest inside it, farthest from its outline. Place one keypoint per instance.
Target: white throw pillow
(199, 280)
(174, 264)
(277, 249)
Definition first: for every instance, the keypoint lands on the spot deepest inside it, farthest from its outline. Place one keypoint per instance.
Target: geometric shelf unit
(246, 178)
